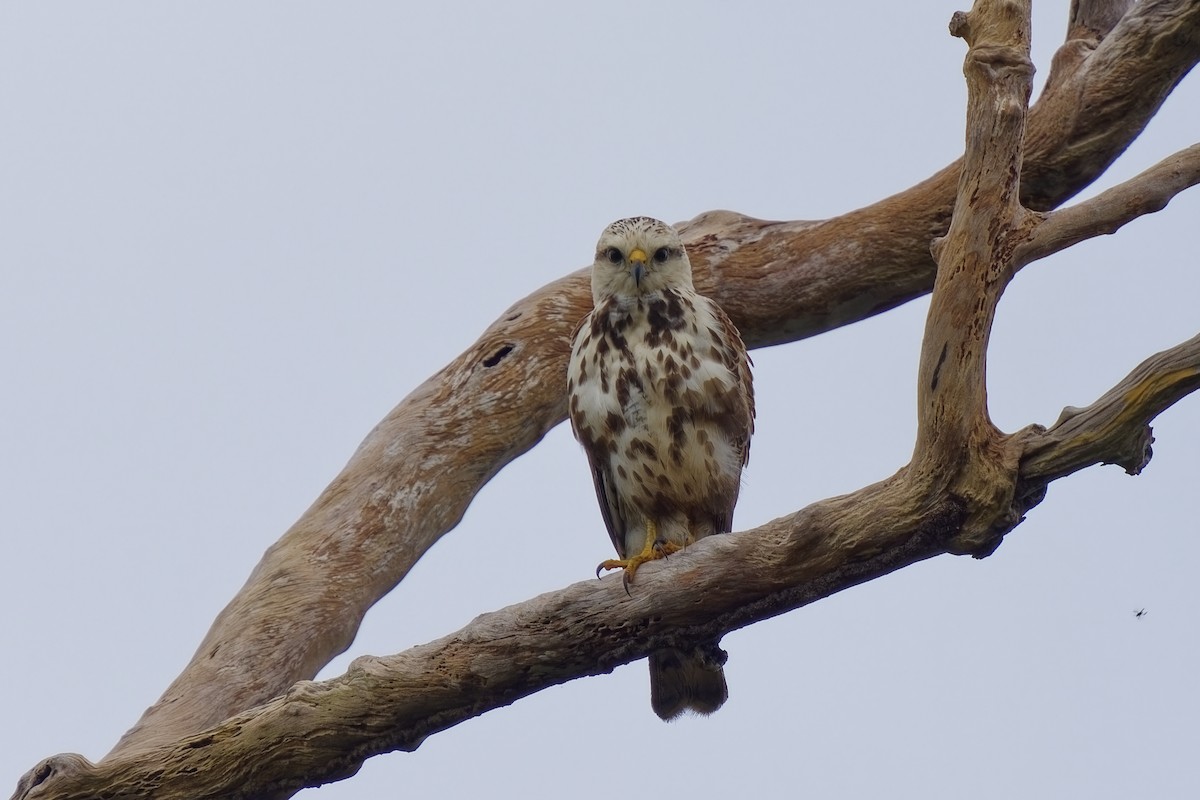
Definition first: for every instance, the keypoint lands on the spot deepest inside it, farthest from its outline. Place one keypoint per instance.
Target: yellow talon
(652, 550)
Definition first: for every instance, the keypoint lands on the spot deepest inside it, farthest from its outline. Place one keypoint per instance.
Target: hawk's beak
(638, 257)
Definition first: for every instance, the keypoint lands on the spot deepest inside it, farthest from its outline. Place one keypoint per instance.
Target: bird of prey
(660, 397)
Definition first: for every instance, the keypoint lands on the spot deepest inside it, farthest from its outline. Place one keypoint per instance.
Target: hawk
(660, 397)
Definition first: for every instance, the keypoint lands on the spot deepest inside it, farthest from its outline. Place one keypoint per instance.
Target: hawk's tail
(683, 680)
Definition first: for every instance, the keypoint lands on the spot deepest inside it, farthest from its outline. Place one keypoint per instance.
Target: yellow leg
(652, 550)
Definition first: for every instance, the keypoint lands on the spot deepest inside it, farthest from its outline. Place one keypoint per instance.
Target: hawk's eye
(661, 255)
(614, 255)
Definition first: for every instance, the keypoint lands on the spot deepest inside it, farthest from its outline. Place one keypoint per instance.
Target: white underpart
(646, 416)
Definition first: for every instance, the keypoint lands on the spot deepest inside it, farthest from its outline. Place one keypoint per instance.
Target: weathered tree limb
(959, 452)
(321, 732)
(1114, 208)
(1069, 91)
(967, 485)
(413, 476)
(1095, 17)
(1115, 429)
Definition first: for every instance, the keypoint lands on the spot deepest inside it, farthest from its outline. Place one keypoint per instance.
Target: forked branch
(413, 476)
(321, 732)
(967, 485)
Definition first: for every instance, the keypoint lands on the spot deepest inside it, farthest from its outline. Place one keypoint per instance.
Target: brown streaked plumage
(660, 397)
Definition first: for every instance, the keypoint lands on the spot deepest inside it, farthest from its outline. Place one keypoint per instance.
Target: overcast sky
(225, 230)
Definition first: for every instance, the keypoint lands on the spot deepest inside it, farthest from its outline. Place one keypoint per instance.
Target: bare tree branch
(1096, 17)
(321, 732)
(958, 448)
(413, 476)
(1070, 90)
(1115, 429)
(1111, 210)
(967, 485)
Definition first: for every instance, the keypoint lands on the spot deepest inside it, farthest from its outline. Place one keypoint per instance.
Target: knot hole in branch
(498, 356)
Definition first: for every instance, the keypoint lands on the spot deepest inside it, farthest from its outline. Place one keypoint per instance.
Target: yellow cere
(638, 255)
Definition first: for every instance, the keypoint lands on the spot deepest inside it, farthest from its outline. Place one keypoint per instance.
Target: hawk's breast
(655, 397)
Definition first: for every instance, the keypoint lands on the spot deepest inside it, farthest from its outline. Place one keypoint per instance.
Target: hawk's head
(639, 256)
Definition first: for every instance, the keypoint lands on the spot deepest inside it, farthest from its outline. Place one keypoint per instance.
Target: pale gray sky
(225, 232)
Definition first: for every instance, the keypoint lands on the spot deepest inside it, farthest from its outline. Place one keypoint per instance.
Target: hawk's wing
(610, 504)
(745, 380)
(733, 411)
(597, 447)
